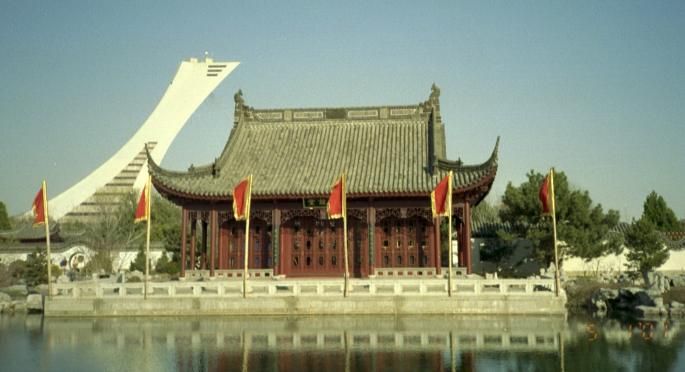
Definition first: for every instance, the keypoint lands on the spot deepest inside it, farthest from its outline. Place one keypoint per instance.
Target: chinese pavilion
(392, 156)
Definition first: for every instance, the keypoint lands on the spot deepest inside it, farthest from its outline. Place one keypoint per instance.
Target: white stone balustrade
(310, 287)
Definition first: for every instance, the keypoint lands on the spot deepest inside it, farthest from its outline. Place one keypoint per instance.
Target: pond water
(332, 343)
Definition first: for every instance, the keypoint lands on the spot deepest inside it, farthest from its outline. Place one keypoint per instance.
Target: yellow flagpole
(247, 206)
(245, 354)
(148, 212)
(554, 229)
(344, 211)
(449, 234)
(47, 236)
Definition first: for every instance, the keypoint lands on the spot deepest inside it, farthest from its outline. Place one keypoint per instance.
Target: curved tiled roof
(301, 152)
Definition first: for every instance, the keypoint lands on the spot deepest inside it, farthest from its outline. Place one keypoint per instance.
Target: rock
(63, 279)
(5, 302)
(600, 299)
(677, 305)
(658, 282)
(34, 303)
(647, 311)
(608, 293)
(599, 306)
(4, 297)
(135, 274)
(678, 281)
(19, 306)
(676, 311)
(658, 301)
(633, 296)
(19, 290)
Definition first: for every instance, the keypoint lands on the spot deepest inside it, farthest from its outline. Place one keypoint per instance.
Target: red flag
(546, 196)
(143, 208)
(241, 199)
(336, 207)
(441, 197)
(39, 207)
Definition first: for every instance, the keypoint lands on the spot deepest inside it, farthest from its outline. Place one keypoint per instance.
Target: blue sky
(594, 88)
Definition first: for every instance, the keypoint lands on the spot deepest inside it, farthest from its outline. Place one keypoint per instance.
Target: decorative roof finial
(435, 91)
(238, 97)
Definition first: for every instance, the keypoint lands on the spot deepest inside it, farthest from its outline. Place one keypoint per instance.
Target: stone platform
(308, 297)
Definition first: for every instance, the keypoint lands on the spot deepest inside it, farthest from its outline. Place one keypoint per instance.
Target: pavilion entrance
(312, 246)
(232, 245)
(405, 242)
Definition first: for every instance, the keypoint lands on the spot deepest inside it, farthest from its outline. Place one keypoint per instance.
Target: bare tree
(112, 230)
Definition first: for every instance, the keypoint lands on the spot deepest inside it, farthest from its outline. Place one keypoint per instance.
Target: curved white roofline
(193, 82)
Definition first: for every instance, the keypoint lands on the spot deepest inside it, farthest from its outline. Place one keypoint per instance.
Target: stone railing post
(529, 288)
(99, 291)
(196, 290)
(477, 287)
(75, 291)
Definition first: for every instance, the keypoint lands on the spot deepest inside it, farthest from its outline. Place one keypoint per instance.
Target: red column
(460, 239)
(371, 234)
(193, 238)
(276, 240)
(184, 223)
(436, 245)
(467, 236)
(212, 241)
(203, 246)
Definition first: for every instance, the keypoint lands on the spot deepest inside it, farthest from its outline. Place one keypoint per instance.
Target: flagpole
(344, 211)
(47, 236)
(248, 202)
(148, 205)
(554, 230)
(449, 234)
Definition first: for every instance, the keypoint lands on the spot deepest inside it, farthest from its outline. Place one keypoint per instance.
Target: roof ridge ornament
(241, 109)
(435, 92)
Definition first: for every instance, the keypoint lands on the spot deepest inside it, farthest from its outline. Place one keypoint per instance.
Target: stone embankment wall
(307, 297)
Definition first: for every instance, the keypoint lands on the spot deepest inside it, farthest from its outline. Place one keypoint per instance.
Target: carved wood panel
(292, 213)
(383, 213)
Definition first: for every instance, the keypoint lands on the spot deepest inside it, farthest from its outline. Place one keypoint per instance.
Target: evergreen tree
(646, 248)
(656, 211)
(4, 219)
(582, 226)
(485, 212)
(36, 271)
(138, 263)
(166, 224)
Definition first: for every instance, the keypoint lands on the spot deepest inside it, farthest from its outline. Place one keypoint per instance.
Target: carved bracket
(359, 214)
(264, 215)
(293, 213)
(383, 213)
(420, 212)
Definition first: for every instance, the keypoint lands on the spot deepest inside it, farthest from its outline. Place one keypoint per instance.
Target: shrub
(166, 266)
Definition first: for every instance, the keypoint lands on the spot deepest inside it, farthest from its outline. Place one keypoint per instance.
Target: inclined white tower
(127, 169)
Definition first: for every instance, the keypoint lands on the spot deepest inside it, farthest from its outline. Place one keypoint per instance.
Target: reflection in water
(331, 343)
